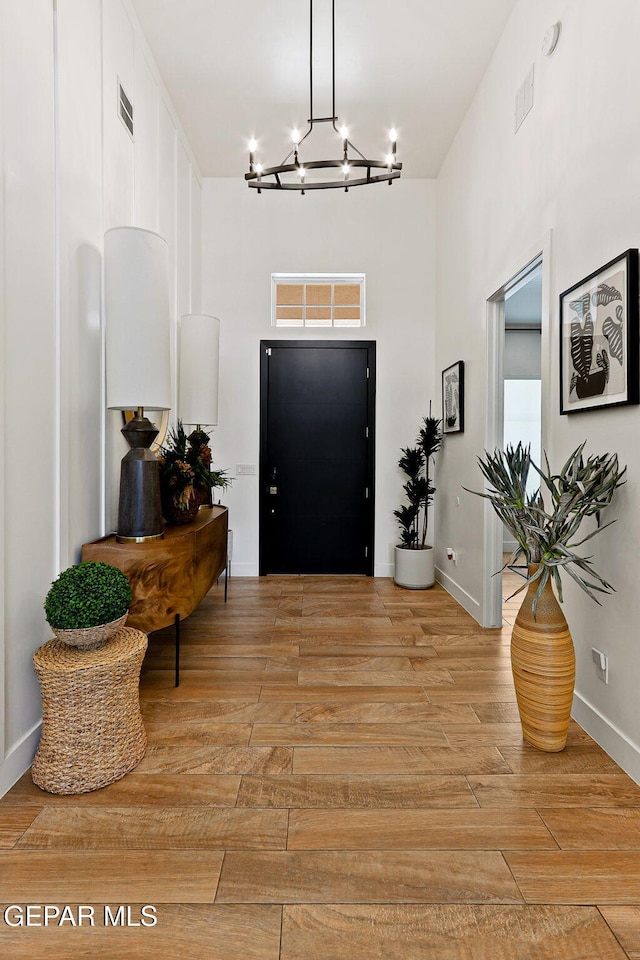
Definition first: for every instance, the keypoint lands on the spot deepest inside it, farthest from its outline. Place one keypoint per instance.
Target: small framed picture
(453, 398)
(599, 338)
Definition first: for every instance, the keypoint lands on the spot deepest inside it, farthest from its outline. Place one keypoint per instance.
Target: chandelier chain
(272, 178)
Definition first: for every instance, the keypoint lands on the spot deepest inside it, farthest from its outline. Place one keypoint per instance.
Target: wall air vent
(524, 99)
(125, 109)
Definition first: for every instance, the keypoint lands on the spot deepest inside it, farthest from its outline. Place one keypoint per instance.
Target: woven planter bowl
(88, 638)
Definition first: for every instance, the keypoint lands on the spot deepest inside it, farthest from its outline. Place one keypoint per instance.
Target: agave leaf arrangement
(183, 466)
(545, 524)
(415, 462)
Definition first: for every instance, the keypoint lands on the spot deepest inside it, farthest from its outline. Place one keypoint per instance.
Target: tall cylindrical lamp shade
(199, 364)
(136, 276)
(138, 337)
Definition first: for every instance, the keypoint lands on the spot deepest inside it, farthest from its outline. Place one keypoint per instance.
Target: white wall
(522, 401)
(151, 181)
(69, 170)
(387, 232)
(29, 343)
(572, 169)
(522, 355)
(79, 152)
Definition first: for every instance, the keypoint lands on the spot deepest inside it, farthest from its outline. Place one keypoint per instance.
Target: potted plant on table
(88, 604)
(186, 474)
(414, 566)
(545, 526)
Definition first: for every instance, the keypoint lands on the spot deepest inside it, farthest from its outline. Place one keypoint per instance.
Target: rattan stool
(92, 731)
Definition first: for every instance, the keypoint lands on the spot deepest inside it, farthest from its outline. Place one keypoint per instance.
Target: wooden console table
(169, 577)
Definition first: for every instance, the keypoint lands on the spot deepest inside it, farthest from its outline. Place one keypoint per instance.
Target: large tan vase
(544, 669)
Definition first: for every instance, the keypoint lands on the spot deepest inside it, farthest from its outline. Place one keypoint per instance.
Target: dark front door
(316, 457)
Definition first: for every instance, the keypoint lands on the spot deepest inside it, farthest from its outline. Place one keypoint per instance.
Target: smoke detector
(551, 38)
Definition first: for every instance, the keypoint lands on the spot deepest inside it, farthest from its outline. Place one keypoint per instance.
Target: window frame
(358, 279)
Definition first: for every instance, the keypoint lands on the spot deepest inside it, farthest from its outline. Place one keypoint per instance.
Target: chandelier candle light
(356, 169)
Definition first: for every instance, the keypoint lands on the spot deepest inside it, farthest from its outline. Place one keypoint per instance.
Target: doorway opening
(522, 408)
(317, 444)
(515, 385)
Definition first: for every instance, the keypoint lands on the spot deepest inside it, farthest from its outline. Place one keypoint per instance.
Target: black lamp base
(139, 509)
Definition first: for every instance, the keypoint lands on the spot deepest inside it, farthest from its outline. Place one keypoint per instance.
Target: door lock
(273, 491)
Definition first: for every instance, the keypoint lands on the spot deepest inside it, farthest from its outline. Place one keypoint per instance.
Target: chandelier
(349, 169)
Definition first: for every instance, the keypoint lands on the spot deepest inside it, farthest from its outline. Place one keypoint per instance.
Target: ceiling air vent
(125, 109)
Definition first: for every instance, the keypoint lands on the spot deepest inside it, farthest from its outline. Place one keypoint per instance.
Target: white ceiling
(240, 68)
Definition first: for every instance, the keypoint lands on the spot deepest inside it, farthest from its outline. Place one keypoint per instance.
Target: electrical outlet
(601, 661)
(245, 469)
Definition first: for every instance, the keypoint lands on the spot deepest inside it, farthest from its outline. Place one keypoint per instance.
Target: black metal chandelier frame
(270, 178)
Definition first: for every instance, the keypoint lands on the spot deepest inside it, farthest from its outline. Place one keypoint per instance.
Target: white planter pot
(414, 569)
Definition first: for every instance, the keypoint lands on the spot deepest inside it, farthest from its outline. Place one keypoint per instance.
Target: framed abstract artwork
(599, 338)
(453, 398)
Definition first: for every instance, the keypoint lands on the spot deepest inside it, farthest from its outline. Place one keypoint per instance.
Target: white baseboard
(383, 569)
(625, 752)
(19, 759)
(243, 569)
(458, 593)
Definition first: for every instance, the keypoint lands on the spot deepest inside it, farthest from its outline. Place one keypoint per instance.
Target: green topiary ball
(87, 595)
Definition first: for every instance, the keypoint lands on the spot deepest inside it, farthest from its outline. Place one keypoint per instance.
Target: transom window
(318, 300)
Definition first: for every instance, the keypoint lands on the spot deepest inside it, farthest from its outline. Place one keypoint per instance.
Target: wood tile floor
(340, 775)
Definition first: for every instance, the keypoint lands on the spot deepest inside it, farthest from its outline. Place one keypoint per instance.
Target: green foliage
(407, 517)
(545, 524)
(87, 595)
(415, 462)
(184, 466)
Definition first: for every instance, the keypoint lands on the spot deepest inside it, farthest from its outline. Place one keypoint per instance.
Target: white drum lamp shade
(199, 363)
(138, 336)
(136, 274)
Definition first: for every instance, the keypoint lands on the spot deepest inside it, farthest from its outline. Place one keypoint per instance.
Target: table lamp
(199, 362)
(198, 376)
(136, 268)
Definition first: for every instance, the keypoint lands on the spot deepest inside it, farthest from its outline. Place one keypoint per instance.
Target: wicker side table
(92, 731)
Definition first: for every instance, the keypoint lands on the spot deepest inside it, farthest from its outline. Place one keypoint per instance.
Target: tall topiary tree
(415, 462)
